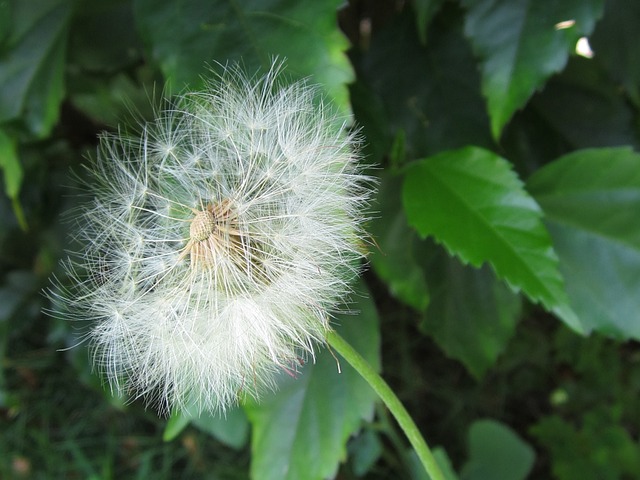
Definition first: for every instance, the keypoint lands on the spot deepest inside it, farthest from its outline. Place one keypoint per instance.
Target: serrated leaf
(394, 260)
(496, 451)
(471, 316)
(300, 432)
(32, 69)
(520, 46)
(305, 33)
(472, 202)
(591, 200)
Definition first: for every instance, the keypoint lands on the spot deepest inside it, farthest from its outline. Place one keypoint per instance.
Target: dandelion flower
(218, 241)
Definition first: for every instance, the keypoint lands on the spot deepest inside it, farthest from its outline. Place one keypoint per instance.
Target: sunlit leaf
(472, 202)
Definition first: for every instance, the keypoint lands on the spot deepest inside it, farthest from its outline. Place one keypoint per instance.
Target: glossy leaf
(306, 34)
(496, 451)
(472, 202)
(591, 200)
(32, 70)
(300, 432)
(472, 316)
(521, 43)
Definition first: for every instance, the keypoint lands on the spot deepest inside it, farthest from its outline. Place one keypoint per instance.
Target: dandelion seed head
(219, 241)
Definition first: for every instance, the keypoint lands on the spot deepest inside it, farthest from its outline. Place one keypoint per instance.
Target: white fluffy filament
(218, 242)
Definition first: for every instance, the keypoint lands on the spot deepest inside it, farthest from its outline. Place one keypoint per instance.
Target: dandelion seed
(219, 242)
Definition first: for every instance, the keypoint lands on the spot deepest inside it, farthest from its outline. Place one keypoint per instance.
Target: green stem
(390, 400)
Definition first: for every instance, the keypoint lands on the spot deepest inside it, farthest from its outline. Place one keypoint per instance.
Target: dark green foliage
(508, 210)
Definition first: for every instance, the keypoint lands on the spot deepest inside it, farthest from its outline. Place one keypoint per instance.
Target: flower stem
(390, 400)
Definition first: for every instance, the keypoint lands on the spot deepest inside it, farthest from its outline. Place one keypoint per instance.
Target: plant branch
(391, 401)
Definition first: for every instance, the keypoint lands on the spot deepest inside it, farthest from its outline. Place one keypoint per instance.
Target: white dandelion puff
(218, 241)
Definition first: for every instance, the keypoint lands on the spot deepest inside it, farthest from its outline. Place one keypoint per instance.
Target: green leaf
(444, 462)
(591, 199)
(496, 452)
(471, 316)
(10, 165)
(431, 93)
(109, 100)
(364, 451)
(394, 260)
(425, 11)
(32, 69)
(104, 38)
(472, 202)
(369, 111)
(177, 422)
(520, 46)
(230, 428)
(601, 448)
(301, 431)
(619, 26)
(416, 468)
(13, 174)
(305, 33)
(5, 22)
(586, 109)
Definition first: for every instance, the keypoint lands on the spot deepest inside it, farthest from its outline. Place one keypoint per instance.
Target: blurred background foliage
(503, 300)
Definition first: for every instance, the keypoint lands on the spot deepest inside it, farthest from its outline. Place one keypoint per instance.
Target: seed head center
(202, 226)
